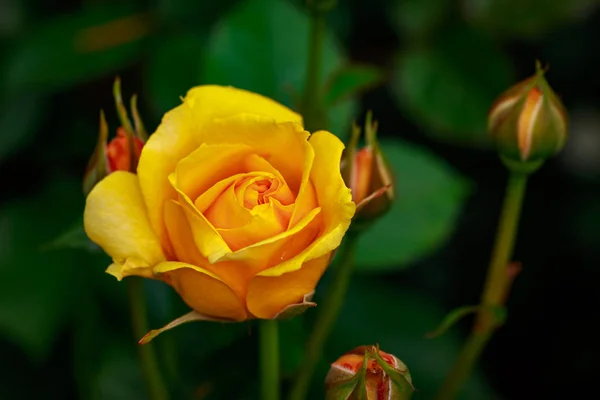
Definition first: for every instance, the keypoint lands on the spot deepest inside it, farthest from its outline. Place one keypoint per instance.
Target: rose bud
(123, 151)
(370, 374)
(368, 175)
(528, 122)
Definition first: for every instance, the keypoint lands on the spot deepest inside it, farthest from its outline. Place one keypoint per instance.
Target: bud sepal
(368, 174)
(366, 373)
(123, 152)
(528, 122)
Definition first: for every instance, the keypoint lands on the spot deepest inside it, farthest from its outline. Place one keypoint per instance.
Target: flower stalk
(269, 359)
(496, 287)
(155, 385)
(328, 313)
(312, 97)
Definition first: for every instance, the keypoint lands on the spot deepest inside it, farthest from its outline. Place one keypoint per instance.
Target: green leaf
(419, 17)
(19, 118)
(525, 18)
(173, 70)
(447, 91)
(75, 48)
(38, 290)
(262, 46)
(73, 238)
(349, 81)
(453, 317)
(376, 311)
(292, 336)
(429, 196)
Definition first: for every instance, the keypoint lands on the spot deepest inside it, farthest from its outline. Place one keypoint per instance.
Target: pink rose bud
(528, 122)
(122, 153)
(367, 174)
(370, 374)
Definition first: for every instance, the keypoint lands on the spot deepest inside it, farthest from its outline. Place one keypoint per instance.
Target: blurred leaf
(447, 90)
(262, 46)
(429, 196)
(106, 363)
(366, 319)
(12, 16)
(349, 81)
(419, 17)
(173, 70)
(292, 337)
(198, 14)
(77, 47)
(340, 117)
(73, 238)
(19, 118)
(530, 18)
(38, 290)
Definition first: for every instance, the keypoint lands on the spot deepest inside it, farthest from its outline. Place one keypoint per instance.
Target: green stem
(495, 290)
(312, 92)
(328, 313)
(269, 359)
(147, 355)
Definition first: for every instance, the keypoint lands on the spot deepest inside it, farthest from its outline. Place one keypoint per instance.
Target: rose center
(256, 191)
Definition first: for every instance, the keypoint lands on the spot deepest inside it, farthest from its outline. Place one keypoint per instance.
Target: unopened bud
(122, 153)
(528, 122)
(367, 373)
(367, 174)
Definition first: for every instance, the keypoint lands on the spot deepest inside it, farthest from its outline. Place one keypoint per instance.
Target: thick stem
(269, 359)
(328, 313)
(496, 286)
(148, 361)
(311, 101)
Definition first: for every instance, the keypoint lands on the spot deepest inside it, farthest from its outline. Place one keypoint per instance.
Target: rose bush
(234, 205)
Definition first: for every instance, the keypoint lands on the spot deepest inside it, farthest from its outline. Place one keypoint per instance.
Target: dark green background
(428, 69)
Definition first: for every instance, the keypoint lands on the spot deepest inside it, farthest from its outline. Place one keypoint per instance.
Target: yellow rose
(234, 205)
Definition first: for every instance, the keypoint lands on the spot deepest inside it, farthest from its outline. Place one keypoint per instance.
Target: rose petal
(181, 131)
(202, 290)
(209, 164)
(254, 162)
(269, 295)
(279, 248)
(283, 145)
(115, 218)
(334, 198)
(207, 239)
(236, 275)
(271, 220)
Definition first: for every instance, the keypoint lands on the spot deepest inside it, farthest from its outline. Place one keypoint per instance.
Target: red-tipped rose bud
(528, 122)
(123, 151)
(366, 373)
(367, 174)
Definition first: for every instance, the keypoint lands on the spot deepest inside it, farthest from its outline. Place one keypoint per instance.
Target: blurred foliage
(64, 323)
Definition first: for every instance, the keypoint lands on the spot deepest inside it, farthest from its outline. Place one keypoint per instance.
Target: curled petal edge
(189, 317)
(293, 310)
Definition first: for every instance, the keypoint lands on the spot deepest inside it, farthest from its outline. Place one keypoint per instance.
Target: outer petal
(334, 199)
(209, 164)
(203, 291)
(182, 130)
(268, 295)
(207, 239)
(236, 275)
(115, 218)
(284, 145)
